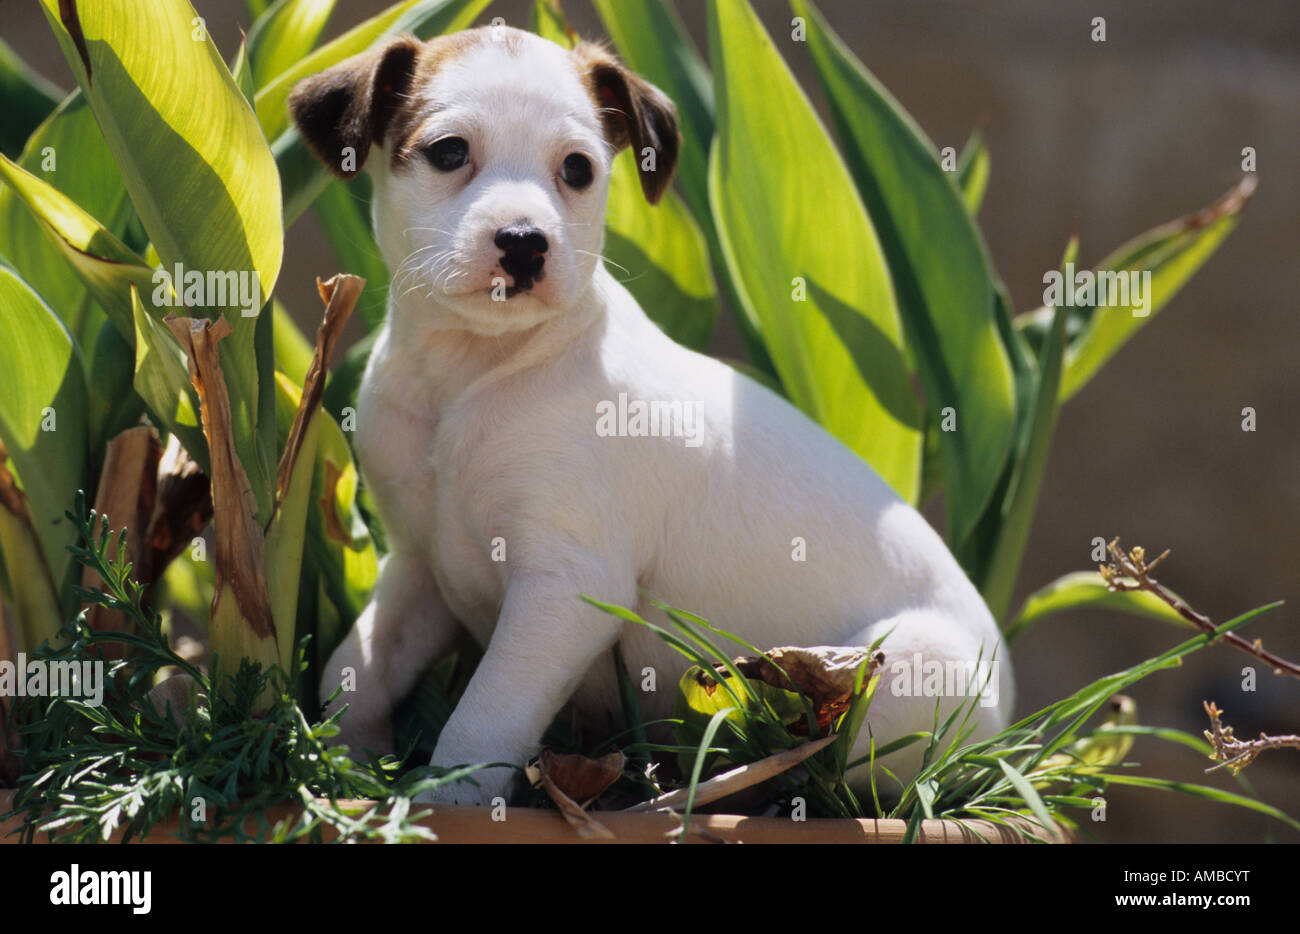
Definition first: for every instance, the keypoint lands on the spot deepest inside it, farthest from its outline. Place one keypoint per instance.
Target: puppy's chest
(432, 493)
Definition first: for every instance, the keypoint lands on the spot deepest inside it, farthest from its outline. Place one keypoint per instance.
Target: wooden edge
(458, 824)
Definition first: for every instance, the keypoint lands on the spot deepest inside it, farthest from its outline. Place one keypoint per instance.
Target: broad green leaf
(831, 325)
(285, 34)
(30, 589)
(973, 172)
(1086, 590)
(338, 541)
(547, 20)
(424, 18)
(163, 381)
(343, 211)
(292, 349)
(113, 404)
(163, 97)
(67, 153)
(1015, 509)
(286, 535)
(103, 264)
(27, 99)
(42, 413)
(660, 256)
(652, 40)
(301, 174)
(1171, 254)
(940, 270)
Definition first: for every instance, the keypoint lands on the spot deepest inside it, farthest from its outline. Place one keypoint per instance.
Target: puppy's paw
(492, 789)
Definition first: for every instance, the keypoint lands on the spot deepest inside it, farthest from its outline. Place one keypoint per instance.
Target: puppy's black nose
(522, 247)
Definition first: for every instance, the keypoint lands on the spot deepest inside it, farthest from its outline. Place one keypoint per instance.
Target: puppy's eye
(448, 153)
(576, 171)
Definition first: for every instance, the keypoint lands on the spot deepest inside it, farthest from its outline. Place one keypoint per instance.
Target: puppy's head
(491, 159)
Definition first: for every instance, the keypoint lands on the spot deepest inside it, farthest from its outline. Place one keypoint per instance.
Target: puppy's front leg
(545, 640)
(405, 626)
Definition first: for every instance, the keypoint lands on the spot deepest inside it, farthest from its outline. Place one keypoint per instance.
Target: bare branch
(1235, 754)
(1132, 572)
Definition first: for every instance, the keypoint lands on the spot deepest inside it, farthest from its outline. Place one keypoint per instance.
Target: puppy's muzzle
(523, 254)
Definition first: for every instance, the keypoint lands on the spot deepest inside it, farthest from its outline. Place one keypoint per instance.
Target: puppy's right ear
(342, 111)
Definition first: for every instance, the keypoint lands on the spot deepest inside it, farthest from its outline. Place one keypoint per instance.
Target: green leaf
(162, 379)
(301, 174)
(163, 97)
(285, 34)
(344, 214)
(657, 252)
(338, 542)
(940, 269)
(424, 18)
(1206, 792)
(660, 256)
(27, 99)
(1086, 590)
(114, 405)
(105, 266)
(547, 20)
(27, 583)
(67, 152)
(1013, 511)
(293, 352)
(286, 535)
(1171, 253)
(839, 350)
(652, 40)
(1030, 795)
(973, 172)
(42, 414)
(241, 69)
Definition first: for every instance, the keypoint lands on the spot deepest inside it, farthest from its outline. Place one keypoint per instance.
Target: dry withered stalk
(1235, 754)
(241, 623)
(1132, 572)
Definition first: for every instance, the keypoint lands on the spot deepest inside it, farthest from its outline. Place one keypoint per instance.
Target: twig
(737, 779)
(1235, 754)
(1132, 572)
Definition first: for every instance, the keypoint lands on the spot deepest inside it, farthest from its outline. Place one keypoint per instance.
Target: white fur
(477, 420)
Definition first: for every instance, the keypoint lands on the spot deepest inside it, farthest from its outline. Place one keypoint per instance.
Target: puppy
(498, 429)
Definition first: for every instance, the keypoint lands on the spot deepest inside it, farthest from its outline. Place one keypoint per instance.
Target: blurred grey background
(1110, 138)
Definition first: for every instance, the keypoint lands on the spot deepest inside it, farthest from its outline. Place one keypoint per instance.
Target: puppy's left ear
(341, 112)
(634, 113)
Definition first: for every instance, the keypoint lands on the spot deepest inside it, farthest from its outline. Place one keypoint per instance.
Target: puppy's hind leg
(933, 662)
(405, 626)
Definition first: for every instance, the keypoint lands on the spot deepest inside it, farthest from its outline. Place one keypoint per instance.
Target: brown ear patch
(633, 113)
(344, 110)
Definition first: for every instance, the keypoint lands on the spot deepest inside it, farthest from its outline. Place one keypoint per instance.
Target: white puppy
(490, 426)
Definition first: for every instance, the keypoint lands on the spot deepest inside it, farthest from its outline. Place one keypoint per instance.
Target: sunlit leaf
(832, 327)
(940, 270)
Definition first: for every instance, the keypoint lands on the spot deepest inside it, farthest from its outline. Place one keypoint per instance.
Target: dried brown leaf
(240, 552)
(340, 295)
(126, 492)
(580, 777)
